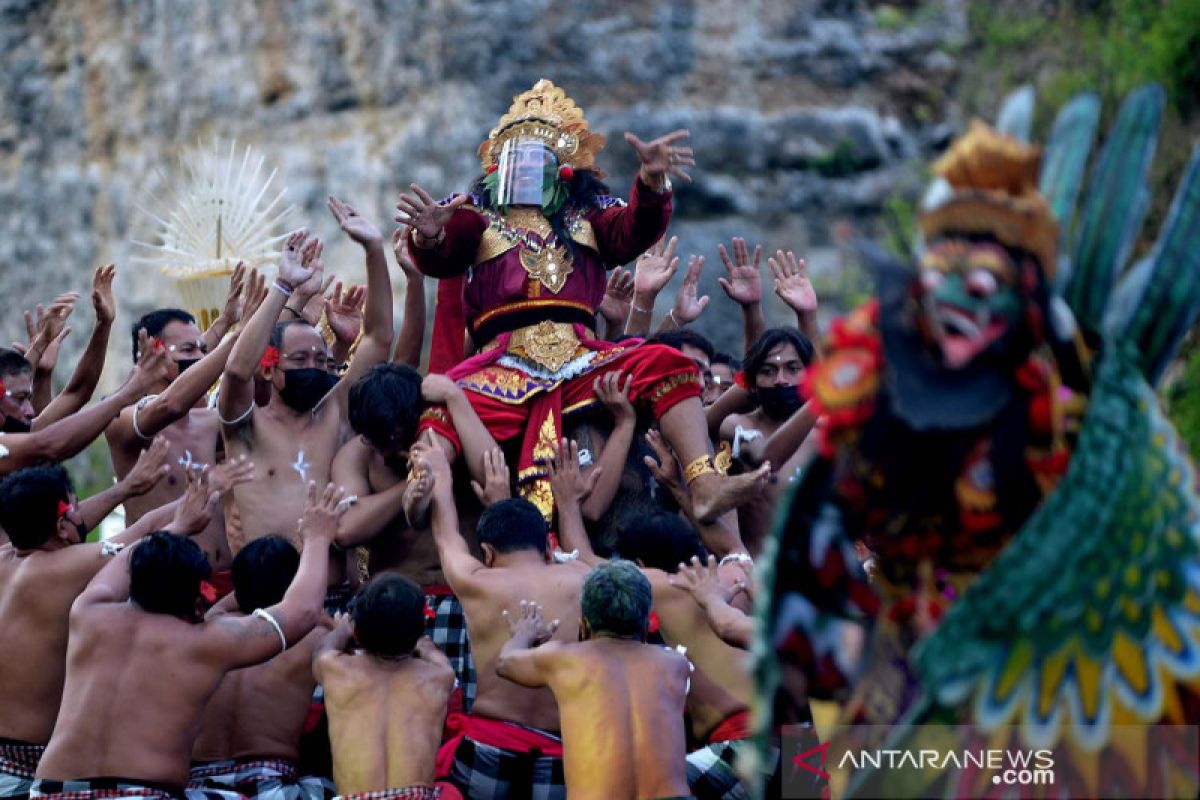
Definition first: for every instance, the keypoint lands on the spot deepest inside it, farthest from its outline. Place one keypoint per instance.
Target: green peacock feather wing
(1116, 203)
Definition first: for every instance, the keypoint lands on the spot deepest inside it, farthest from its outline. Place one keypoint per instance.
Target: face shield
(525, 170)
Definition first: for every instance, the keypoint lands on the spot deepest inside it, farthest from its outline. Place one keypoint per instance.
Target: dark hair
(616, 599)
(511, 525)
(727, 360)
(661, 541)
(156, 320)
(262, 572)
(678, 338)
(771, 338)
(583, 192)
(389, 615)
(385, 404)
(13, 363)
(276, 339)
(165, 571)
(29, 501)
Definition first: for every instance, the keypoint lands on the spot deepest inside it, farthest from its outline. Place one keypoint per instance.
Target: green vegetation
(1182, 398)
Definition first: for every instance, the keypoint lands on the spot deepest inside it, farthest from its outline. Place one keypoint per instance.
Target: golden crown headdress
(994, 191)
(545, 112)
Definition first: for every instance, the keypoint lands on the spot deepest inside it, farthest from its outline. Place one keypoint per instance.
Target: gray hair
(616, 599)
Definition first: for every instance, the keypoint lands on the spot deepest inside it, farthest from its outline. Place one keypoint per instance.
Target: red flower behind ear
(739, 378)
(429, 612)
(654, 623)
(270, 357)
(208, 592)
(63, 508)
(3, 390)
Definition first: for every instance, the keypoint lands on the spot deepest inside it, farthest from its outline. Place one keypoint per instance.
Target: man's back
(385, 718)
(136, 685)
(623, 699)
(260, 711)
(556, 589)
(35, 601)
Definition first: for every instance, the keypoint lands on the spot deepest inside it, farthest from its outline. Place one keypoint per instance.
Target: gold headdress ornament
(994, 191)
(545, 112)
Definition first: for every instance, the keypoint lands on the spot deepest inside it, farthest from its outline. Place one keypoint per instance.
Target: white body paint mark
(301, 466)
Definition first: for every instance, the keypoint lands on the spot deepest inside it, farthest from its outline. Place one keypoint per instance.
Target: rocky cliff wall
(802, 112)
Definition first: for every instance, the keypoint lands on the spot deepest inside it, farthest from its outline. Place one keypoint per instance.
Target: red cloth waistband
(734, 727)
(438, 590)
(495, 733)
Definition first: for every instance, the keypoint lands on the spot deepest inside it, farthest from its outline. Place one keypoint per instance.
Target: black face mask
(780, 402)
(184, 363)
(304, 388)
(15, 425)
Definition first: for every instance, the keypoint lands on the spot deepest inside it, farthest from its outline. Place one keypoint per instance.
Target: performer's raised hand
(688, 303)
(356, 226)
(344, 310)
(567, 479)
(653, 270)
(744, 284)
(150, 468)
(400, 250)
(295, 267)
(153, 365)
(661, 157)
(703, 584)
(322, 510)
(613, 392)
(496, 478)
(231, 312)
(528, 626)
(792, 283)
(102, 294)
(194, 510)
(230, 473)
(618, 295)
(425, 215)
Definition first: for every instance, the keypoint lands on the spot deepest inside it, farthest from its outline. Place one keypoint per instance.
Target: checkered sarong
(409, 793)
(105, 788)
(262, 778)
(18, 763)
(484, 772)
(711, 775)
(448, 630)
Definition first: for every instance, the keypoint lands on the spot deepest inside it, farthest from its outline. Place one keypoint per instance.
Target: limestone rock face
(802, 113)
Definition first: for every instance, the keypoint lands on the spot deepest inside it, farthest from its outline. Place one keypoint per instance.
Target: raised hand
(47, 333)
(253, 295)
(102, 294)
(744, 284)
(195, 508)
(792, 283)
(355, 225)
(231, 312)
(688, 305)
(570, 485)
(400, 250)
(345, 311)
(496, 478)
(295, 267)
(422, 213)
(618, 295)
(230, 473)
(654, 268)
(153, 364)
(703, 584)
(661, 156)
(614, 394)
(151, 467)
(438, 389)
(666, 469)
(322, 512)
(529, 625)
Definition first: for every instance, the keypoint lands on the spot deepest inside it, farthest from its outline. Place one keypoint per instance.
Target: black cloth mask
(15, 425)
(304, 388)
(780, 402)
(184, 363)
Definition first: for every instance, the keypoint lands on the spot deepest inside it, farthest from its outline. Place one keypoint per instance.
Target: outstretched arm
(610, 466)
(444, 237)
(794, 288)
(473, 435)
(369, 512)
(151, 467)
(651, 272)
(704, 585)
(237, 382)
(569, 487)
(526, 658)
(412, 327)
(743, 284)
(333, 644)
(688, 302)
(377, 317)
(459, 566)
(82, 385)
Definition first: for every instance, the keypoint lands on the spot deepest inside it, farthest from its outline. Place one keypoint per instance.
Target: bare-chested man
(621, 700)
(69, 435)
(249, 740)
(386, 695)
(510, 746)
(385, 405)
(722, 687)
(142, 663)
(294, 437)
(42, 570)
(175, 410)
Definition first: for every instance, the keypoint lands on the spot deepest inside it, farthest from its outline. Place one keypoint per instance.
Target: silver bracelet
(739, 558)
(239, 420)
(285, 290)
(110, 549)
(262, 613)
(642, 310)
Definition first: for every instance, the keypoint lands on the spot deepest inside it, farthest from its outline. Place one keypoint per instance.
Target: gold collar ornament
(545, 112)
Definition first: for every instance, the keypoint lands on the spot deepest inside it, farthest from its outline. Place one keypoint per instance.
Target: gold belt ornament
(547, 344)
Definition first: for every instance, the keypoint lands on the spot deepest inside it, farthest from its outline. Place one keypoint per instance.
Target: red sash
(493, 732)
(734, 727)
